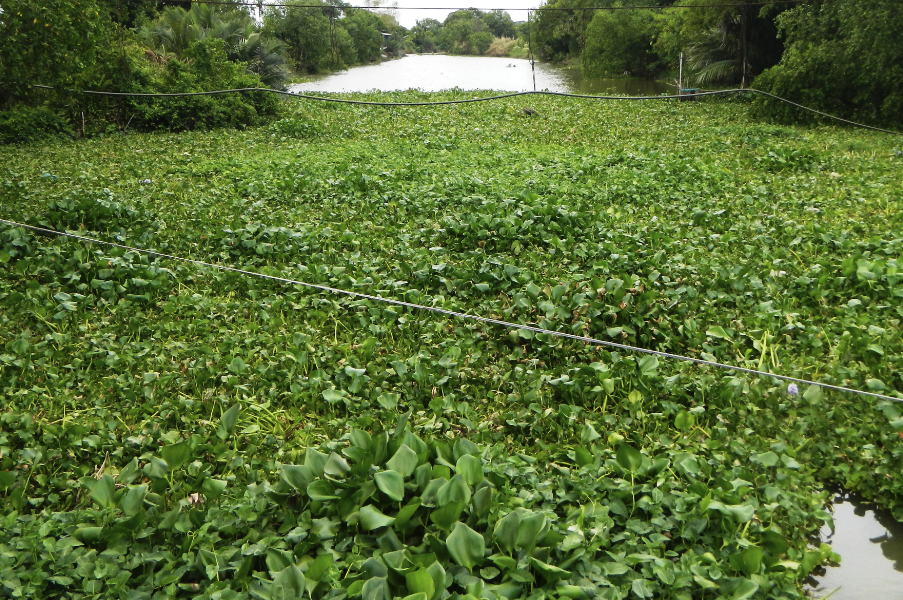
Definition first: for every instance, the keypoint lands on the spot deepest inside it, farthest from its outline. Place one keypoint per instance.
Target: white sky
(409, 18)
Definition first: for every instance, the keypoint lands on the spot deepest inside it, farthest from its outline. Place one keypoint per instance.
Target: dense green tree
(844, 57)
(365, 29)
(177, 29)
(57, 43)
(620, 42)
(499, 24)
(307, 34)
(425, 35)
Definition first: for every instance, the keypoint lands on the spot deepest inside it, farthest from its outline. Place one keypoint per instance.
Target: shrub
(31, 124)
(842, 58)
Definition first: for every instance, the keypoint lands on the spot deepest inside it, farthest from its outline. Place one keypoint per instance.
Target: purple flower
(792, 389)
(146, 181)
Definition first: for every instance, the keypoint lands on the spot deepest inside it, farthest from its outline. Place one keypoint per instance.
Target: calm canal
(870, 544)
(435, 72)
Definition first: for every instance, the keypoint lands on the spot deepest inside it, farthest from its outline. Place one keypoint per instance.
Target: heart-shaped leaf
(466, 546)
(391, 484)
(404, 461)
(629, 458)
(471, 468)
(371, 518)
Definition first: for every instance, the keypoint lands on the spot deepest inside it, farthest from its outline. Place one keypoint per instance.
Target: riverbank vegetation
(171, 430)
(841, 57)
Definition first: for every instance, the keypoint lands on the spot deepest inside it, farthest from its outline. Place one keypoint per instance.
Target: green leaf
(156, 468)
(336, 466)
(455, 490)
(813, 394)
(629, 458)
(529, 530)
(391, 484)
(744, 589)
(376, 588)
(405, 514)
(288, 584)
(482, 501)
(437, 572)
(684, 421)
(129, 473)
(466, 546)
(213, 488)
(176, 455)
(371, 518)
(505, 534)
(740, 513)
(641, 588)
(237, 365)
(588, 434)
(446, 516)
(361, 439)
(583, 457)
(297, 476)
(315, 461)
(88, 535)
(388, 400)
(749, 561)
(648, 365)
(7, 479)
(404, 461)
(875, 385)
(319, 567)
(102, 491)
(332, 396)
(133, 501)
(768, 459)
(549, 572)
(321, 491)
(420, 581)
(227, 422)
(774, 542)
(471, 468)
(718, 332)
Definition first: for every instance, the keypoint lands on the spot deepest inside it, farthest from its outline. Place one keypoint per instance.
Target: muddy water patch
(870, 543)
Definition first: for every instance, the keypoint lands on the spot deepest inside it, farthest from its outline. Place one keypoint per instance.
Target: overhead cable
(458, 315)
(479, 99)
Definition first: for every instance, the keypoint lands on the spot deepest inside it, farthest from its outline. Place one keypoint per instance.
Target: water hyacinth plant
(170, 430)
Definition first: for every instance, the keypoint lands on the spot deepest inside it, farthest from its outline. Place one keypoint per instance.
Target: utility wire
(481, 99)
(459, 315)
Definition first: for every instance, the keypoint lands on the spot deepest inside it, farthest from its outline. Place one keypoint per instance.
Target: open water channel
(870, 543)
(435, 72)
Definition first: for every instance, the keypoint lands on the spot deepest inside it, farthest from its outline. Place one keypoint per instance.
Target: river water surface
(435, 72)
(870, 544)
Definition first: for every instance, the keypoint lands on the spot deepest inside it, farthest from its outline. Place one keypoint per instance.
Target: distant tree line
(845, 56)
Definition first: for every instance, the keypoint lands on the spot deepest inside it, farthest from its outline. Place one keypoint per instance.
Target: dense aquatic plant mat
(169, 430)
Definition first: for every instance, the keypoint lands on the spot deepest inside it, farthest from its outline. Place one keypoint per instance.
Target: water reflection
(871, 546)
(432, 73)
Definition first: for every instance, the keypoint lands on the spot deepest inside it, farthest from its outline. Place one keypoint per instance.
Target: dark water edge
(627, 86)
(870, 543)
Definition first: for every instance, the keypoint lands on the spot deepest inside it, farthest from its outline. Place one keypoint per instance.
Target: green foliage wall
(843, 57)
(55, 42)
(619, 42)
